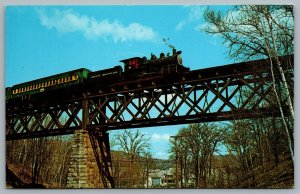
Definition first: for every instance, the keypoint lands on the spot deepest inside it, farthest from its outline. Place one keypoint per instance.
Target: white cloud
(68, 21)
(160, 137)
(195, 14)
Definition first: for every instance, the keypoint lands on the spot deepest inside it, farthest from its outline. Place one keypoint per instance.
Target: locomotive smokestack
(174, 51)
(167, 43)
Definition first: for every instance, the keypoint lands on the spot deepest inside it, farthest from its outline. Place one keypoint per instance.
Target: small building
(156, 181)
(161, 178)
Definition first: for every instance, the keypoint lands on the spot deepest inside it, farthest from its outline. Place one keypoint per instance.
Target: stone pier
(83, 170)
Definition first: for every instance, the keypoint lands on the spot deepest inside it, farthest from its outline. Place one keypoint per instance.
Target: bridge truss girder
(229, 92)
(226, 98)
(48, 121)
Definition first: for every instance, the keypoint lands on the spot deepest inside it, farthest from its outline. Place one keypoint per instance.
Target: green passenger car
(46, 84)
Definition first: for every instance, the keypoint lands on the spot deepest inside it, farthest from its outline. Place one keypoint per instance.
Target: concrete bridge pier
(83, 169)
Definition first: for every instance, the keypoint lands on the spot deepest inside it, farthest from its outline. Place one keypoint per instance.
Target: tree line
(239, 154)
(42, 160)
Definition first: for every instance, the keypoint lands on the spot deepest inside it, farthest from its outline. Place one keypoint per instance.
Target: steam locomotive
(135, 67)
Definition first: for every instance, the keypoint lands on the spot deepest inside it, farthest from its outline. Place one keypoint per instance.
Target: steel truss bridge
(230, 92)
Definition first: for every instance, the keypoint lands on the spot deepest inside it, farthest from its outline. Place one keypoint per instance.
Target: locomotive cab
(132, 63)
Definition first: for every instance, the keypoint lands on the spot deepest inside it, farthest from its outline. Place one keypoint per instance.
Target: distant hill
(160, 163)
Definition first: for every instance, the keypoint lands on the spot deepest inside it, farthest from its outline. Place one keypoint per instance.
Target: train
(135, 67)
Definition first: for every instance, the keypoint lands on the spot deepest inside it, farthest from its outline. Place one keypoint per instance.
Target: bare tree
(197, 143)
(135, 145)
(259, 31)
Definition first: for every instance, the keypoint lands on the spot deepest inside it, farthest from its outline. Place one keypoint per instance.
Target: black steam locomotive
(135, 67)
(165, 64)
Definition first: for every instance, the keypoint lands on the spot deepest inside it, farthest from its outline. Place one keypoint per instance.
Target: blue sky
(47, 40)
